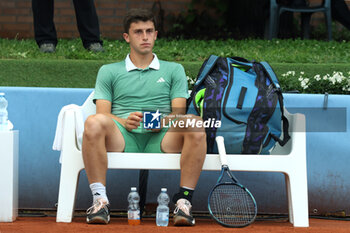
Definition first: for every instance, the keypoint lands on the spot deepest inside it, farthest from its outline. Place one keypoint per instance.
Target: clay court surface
(48, 224)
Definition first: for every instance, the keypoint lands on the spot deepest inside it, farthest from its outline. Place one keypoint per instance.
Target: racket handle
(221, 149)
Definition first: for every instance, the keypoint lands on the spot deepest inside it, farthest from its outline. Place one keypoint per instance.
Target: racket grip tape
(221, 149)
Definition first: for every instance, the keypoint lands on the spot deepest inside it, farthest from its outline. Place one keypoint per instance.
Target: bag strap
(285, 127)
(285, 122)
(271, 73)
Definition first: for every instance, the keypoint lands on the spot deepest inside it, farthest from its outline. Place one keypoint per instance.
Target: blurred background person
(87, 22)
(341, 12)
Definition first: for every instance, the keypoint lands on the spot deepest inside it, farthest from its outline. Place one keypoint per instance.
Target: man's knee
(195, 130)
(193, 123)
(95, 126)
(196, 137)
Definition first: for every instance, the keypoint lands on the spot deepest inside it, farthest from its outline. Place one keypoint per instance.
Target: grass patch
(21, 63)
(275, 51)
(82, 73)
(49, 73)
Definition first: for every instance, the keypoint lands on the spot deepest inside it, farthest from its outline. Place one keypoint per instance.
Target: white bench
(290, 160)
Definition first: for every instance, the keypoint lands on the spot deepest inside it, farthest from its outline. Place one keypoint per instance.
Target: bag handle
(207, 68)
(271, 73)
(241, 61)
(200, 78)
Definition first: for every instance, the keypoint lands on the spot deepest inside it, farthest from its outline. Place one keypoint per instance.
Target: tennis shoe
(98, 213)
(183, 213)
(47, 48)
(95, 47)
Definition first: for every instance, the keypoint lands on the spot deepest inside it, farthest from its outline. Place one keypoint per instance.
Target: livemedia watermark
(153, 120)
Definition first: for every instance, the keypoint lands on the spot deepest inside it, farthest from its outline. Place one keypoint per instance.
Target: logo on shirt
(151, 120)
(161, 80)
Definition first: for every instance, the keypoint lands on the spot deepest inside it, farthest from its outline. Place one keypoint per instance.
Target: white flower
(191, 81)
(332, 80)
(24, 54)
(338, 77)
(317, 77)
(290, 73)
(303, 84)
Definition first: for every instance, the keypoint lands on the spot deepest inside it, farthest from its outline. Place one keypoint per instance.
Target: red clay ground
(48, 225)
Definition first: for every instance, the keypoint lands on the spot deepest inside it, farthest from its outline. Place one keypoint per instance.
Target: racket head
(232, 205)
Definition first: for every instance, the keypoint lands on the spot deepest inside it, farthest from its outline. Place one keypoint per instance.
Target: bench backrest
(88, 108)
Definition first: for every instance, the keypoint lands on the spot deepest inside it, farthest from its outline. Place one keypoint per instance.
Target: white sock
(98, 191)
(187, 188)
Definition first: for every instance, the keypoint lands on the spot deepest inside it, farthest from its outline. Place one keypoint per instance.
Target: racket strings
(232, 205)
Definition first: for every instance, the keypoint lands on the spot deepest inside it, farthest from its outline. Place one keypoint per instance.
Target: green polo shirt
(131, 89)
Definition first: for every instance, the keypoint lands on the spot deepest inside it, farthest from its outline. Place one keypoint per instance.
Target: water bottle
(134, 208)
(3, 113)
(162, 217)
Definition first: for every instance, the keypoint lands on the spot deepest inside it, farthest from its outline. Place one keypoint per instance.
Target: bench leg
(289, 199)
(143, 181)
(67, 192)
(297, 198)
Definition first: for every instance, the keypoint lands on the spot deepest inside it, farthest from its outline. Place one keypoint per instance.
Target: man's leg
(191, 142)
(341, 12)
(44, 27)
(101, 134)
(87, 22)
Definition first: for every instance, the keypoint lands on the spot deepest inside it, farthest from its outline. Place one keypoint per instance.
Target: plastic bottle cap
(133, 189)
(163, 189)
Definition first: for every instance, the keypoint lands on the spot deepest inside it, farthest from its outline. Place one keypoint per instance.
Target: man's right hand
(133, 121)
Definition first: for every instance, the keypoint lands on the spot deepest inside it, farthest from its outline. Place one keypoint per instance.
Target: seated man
(125, 90)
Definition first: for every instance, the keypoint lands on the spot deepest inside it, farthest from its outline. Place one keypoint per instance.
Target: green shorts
(142, 142)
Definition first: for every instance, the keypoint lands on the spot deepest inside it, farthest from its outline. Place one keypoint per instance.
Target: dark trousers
(341, 12)
(86, 16)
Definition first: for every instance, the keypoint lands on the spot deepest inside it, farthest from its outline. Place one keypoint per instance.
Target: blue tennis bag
(241, 101)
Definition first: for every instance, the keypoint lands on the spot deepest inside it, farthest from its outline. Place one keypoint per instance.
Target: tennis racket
(230, 203)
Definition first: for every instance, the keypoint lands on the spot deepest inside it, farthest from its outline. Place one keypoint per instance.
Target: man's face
(141, 37)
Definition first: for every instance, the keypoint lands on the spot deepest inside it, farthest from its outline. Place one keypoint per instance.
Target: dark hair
(136, 15)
